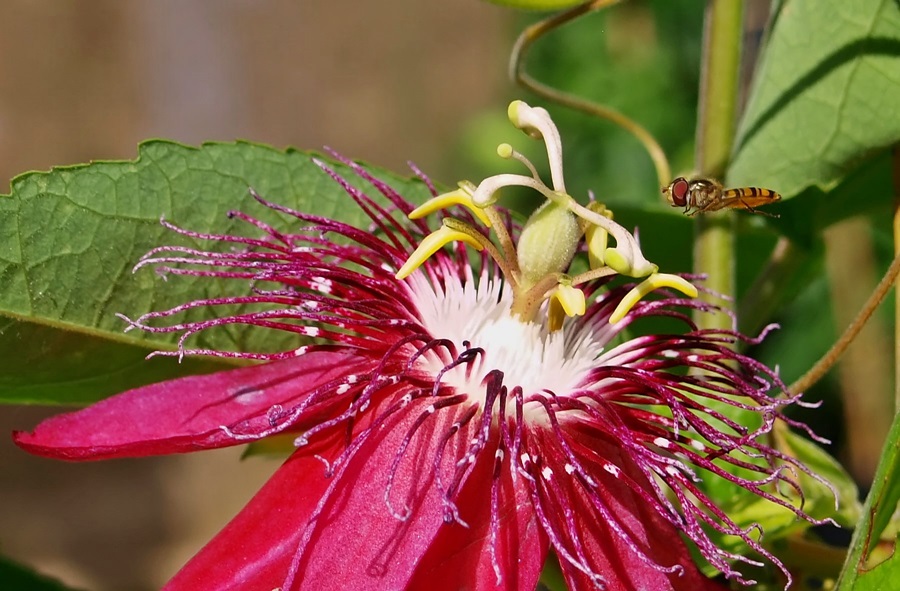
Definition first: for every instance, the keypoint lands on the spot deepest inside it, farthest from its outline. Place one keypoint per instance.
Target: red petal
(355, 539)
(460, 558)
(622, 569)
(255, 550)
(185, 414)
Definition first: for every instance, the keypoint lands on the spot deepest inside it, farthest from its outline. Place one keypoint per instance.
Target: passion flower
(456, 416)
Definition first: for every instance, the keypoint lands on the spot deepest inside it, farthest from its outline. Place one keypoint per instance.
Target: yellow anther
(564, 301)
(461, 196)
(654, 281)
(571, 299)
(596, 237)
(505, 151)
(433, 243)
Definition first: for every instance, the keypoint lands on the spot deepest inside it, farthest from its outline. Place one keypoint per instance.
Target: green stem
(895, 175)
(716, 122)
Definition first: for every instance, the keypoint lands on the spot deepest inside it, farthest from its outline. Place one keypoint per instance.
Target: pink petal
(355, 541)
(608, 554)
(186, 414)
(460, 558)
(254, 551)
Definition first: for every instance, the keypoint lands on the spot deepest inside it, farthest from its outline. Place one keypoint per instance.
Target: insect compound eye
(679, 192)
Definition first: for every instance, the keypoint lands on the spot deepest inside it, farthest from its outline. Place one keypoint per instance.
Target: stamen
(626, 258)
(655, 281)
(597, 238)
(461, 196)
(592, 275)
(453, 225)
(566, 301)
(437, 240)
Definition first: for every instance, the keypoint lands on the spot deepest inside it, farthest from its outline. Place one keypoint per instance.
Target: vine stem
(716, 122)
(895, 177)
(519, 76)
(837, 349)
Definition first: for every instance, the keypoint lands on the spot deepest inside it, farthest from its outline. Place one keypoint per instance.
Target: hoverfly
(704, 195)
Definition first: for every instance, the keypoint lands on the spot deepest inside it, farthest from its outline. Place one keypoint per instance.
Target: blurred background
(385, 82)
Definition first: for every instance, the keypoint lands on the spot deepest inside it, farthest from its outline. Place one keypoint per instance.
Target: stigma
(535, 267)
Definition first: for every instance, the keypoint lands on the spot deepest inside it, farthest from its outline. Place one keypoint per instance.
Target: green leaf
(277, 446)
(40, 364)
(865, 569)
(17, 576)
(819, 500)
(825, 97)
(70, 237)
(867, 189)
(784, 530)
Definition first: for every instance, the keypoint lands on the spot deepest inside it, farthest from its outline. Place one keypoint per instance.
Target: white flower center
(528, 354)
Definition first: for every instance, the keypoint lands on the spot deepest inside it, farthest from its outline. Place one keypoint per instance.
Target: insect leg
(751, 210)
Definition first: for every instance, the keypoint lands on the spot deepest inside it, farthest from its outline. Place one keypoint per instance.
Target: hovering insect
(704, 195)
